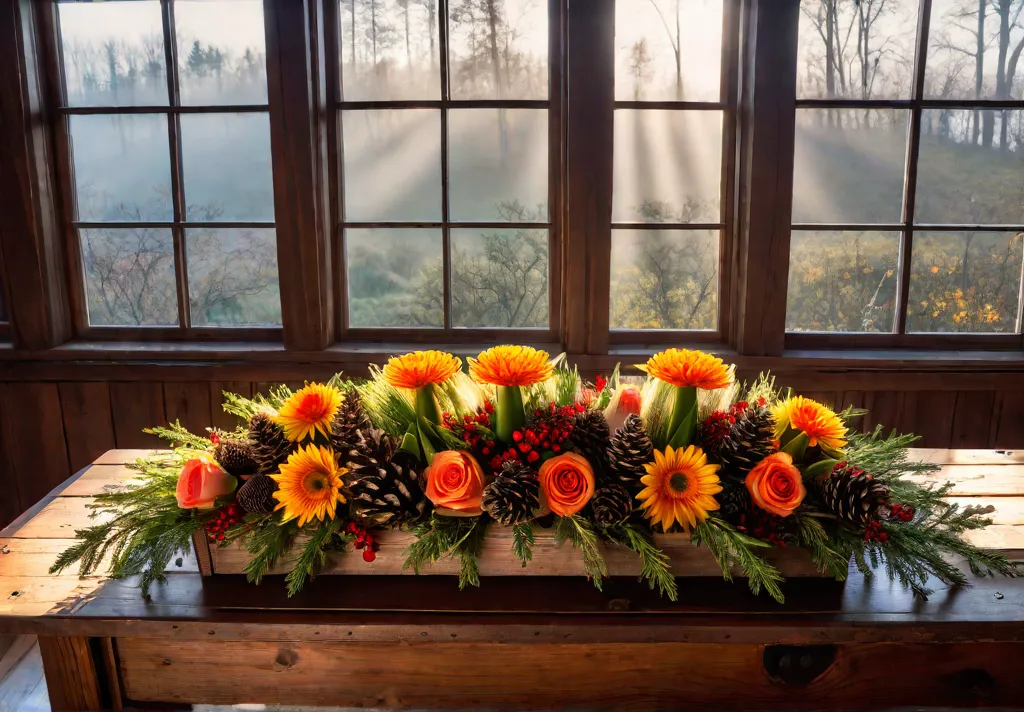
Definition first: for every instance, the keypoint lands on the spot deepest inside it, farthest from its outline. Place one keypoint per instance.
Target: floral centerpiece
(515, 439)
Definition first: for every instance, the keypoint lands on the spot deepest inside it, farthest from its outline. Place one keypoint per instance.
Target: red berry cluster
(599, 383)
(875, 532)
(474, 429)
(901, 512)
(228, 516)
(547, 432)
(763, 525)
(364, 541)
(215, 437)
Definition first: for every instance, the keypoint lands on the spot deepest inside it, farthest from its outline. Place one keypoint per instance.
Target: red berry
(533, 456)
(215, 438)
(369, 555)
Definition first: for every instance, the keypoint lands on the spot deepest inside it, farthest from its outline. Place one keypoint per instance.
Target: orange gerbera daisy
(511, 366)
(684, 368)
(820, 423)
(309, 410)
(679, 487)
(309, 485)
(421, 368)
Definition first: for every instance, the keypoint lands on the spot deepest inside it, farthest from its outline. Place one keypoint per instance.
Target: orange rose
(776, 485)
(455, 484)
(201, 483)
(566, 483)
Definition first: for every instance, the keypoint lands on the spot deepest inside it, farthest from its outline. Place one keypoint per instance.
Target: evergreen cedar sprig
(730, 547)
(814, 537)
(580, 533)
(449, 536)
(177, 436)
(656, 566)
(313, 555)
(522, 542)
(147, 529)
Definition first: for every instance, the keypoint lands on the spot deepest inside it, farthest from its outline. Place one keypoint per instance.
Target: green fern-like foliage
(656, 566)
(731, 547)
(580, 533)
(438, 537)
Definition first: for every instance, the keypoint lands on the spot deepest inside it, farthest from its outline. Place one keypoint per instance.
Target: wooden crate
(549, 559)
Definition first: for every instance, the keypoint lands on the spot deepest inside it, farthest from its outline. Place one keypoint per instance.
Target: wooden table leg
(76, 674)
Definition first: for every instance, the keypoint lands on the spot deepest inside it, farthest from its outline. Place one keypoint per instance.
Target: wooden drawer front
(607, 676)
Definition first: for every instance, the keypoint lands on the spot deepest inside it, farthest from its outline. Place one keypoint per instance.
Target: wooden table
(515, 642)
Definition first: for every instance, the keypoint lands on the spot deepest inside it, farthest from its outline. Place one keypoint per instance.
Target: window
(449, 185)
(165, 116)
(673, 149)
(908, 172)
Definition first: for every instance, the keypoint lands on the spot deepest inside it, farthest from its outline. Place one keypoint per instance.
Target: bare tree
(639, 66)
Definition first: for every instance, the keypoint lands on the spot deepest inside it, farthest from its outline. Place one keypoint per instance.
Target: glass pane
(122, 167)
(668, 50)
(965, 281)
(232, 277)
(664, 279)
(129, 276)
(955, 45)
(871, 44)
(849, 165)
(226, 167)
(395, 277)
(113, 53)
(970, 177)
(392, 166)
(499, 278)
(389, 50)
(498, 49)
(498, 164)
(842, 281)
(222, 52)
(668, 166)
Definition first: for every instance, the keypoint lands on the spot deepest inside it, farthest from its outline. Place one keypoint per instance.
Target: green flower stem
(510, 412)
(426, 404)
(683, 419)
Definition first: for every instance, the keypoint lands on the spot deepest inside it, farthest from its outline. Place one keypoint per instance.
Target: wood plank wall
(50, 430)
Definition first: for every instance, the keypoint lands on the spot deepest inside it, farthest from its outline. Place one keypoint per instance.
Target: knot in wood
(286, 659)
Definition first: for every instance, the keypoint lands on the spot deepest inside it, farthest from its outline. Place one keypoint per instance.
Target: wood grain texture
(929, 414)
(220, 419)
(72, 674)
(972, 419)
(39, 451)
(88, 423)
(136, 406)
(602, 676)
(10, 505)
(189, 404)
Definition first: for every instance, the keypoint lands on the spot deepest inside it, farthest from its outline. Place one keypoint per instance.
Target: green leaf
(683, 421)
(523, 541)
(820, 468)
(796, 447)
(426, 404)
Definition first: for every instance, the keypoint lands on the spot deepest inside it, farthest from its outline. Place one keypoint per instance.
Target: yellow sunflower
(684, 368)
(421, 368)
(511, 366)
(309, 410)
(679, 487)
(309, 485)
(820, 423)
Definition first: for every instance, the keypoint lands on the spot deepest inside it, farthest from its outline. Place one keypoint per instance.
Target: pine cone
(591, 436)
(389, 493)
(630, 449)
(739, 438)
(514, 495)
(237, 456)
(853, 495)
(734, 502)
(270, 446)
(371, 450)
(348, 421)
(257, 495)
(612, 504)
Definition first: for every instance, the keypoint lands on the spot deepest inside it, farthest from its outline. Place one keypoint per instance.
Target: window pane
(871, 44)
(499, 278)
(394, 277)
(967, 177)
(664, 279)
(498, 49)
(129, 277)
(389, 49)
(122, 167)
(668, 166)
(842, 281)
(955, 45)
(232, 277)
(392, 166)
(965, 281)
(222, 51)
(498, 164)
(648, 34)
(113, 53)
(226, 167)
(849, 165)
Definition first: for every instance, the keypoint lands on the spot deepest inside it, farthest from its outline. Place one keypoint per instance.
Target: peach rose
(201, 482)
(776, 485)
(455, 484)
(566, 483)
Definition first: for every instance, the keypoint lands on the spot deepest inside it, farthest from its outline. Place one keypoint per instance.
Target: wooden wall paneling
(88, 423)
(973, 415)
(135, 406)
(10, 504)
(38, 448)
(884, 408)
(929, 414)
(1009, 421)
(218, 418)
(189, 404)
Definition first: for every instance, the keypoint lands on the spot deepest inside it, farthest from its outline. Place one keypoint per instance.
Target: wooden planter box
(497, 559)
